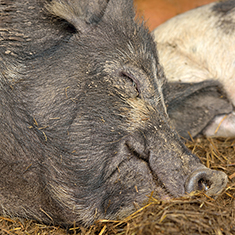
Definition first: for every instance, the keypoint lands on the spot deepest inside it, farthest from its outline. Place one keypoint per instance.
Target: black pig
(84, 129)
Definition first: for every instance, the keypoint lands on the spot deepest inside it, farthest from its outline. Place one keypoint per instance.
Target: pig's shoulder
(224, 7)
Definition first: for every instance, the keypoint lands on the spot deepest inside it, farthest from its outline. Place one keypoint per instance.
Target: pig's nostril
(203, 184)
(198, 180)
(211, 181)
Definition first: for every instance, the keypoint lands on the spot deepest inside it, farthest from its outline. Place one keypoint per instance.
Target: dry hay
(194, 214)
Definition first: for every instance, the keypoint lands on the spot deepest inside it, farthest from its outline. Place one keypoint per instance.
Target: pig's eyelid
(136, 83)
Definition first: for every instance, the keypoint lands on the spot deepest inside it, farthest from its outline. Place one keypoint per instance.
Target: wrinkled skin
(198, 46)
(84, 129)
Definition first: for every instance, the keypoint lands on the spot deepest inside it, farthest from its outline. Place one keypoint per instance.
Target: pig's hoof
(213, 182)
(221, 126)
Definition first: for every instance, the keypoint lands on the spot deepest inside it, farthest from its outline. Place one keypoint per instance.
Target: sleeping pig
(84, 128)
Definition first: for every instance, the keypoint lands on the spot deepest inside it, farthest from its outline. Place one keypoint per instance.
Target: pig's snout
(213, 182)
(175, 167)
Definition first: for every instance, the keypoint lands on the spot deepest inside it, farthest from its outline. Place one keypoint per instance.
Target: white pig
(199, 45)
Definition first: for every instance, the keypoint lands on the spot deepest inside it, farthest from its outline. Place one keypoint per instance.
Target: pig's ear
(120, 11)
(81, 14)
(191, 106)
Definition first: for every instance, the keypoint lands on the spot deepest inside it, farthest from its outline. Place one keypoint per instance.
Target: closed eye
(131, 77)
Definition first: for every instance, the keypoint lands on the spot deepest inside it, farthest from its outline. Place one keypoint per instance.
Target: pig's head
(98, 108)
(121, 145)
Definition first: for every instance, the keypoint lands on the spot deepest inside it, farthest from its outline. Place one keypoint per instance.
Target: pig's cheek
(135, 175)
(223, 126)
(129, 186)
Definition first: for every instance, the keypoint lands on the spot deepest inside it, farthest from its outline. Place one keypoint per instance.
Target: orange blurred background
(158, 11)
